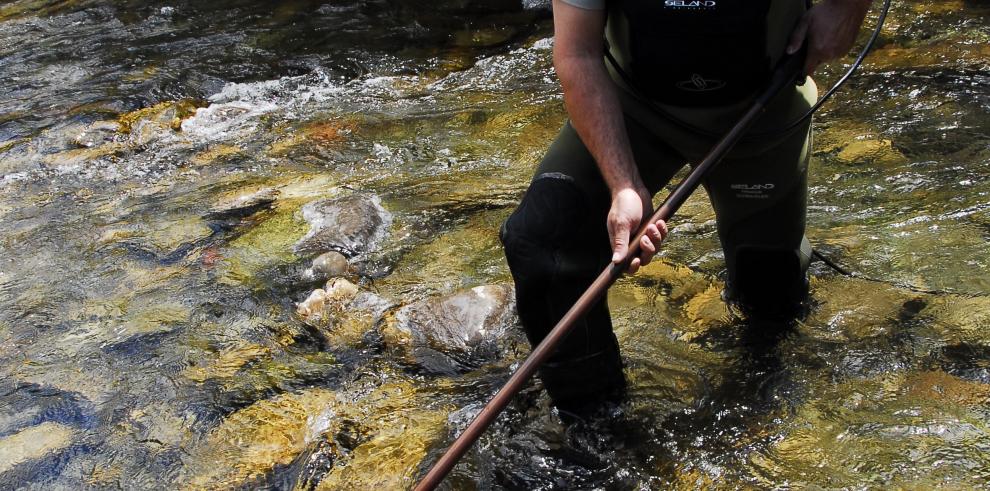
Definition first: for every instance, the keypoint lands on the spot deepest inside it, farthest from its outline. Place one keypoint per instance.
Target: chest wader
(556, 241)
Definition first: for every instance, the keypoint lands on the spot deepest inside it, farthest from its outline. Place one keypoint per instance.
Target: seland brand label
(690, 4)
(751, 191)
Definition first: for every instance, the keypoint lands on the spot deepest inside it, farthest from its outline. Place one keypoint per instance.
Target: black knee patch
(769, 283)
(547, 217)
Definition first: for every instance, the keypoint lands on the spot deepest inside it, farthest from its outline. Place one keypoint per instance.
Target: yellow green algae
(168, 114)
(252, 441)
(873, 431)
(267, 244)
(163, 233)
(393, 428)
(390, 459)
(214, 154)
(332, 311)
(226, 363)
(397, 430)
(454, 259)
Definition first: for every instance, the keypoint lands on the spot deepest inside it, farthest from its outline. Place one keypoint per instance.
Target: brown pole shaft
(782, 76)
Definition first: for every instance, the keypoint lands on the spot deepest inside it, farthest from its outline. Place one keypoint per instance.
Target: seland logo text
(690, 4)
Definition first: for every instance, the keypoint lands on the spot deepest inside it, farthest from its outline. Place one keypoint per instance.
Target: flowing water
(150, 337)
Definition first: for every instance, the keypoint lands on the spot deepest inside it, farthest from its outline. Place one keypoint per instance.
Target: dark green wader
(556, 241)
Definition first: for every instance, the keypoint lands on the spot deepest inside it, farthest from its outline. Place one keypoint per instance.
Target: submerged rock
(227, 363)
(870, 151)
(96, 134)
(323, 302)
(151, 123)
(351, 225)
(390, 459)
(216, 154)
(382, 435)
(251, 442)
(457, 332)
(243, 203)
(34, 443)
(368, 435)
(342, 312)
(25, 404)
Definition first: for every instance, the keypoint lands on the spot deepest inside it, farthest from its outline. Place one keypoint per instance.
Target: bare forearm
(593, 106)
(830, 28)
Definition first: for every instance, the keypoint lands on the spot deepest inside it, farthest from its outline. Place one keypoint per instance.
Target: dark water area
(170, 173)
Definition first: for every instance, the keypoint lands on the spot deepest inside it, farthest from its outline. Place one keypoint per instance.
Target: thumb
(798, 35)
(620, 242)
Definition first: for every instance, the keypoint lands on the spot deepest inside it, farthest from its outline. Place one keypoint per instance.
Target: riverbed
(158, 165)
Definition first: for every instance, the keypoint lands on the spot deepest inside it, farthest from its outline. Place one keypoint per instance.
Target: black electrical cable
(907, 286)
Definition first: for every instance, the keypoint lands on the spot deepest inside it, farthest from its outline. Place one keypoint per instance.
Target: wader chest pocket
(696, 52)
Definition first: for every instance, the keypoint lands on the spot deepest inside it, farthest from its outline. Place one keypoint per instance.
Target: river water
(150, 340)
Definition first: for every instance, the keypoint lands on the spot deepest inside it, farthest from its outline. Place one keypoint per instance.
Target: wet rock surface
(343, 312)
(351, 225)
(327, 265)
(243, 203)
(458, 332)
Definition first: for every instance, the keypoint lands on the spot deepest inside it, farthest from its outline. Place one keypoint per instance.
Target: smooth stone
(342, 313)
(455, 333)
(244, 203)
(327, 265)
(324, 301)
(352, 225)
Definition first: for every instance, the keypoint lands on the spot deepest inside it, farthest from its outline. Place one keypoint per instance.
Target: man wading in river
(679, 73)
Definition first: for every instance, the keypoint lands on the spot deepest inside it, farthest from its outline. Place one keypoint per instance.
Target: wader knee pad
(547, 216)
(770, 284)
(585, 381)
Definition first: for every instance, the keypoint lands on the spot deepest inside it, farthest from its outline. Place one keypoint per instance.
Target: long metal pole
(784, 75)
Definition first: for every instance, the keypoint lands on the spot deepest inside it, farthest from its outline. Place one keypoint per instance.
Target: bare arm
(830, 28)
(593, 106)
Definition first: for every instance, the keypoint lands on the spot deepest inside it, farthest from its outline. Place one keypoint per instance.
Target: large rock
(251, 442)
(382, 436)
(455, 333)
(351, 225)
(391, 458)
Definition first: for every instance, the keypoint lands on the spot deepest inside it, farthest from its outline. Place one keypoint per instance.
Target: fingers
(651, 240)
(633, 266)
